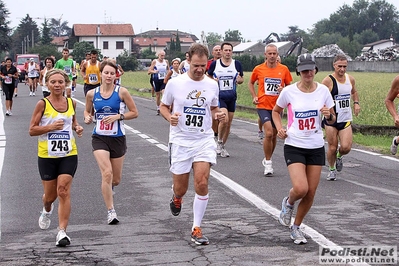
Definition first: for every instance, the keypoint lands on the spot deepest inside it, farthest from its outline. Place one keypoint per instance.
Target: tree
(80, 49)
(213, 38)
(178, 45)
(25, 36)
(46, 38)
(148, 54)
(234, 35)
(378, 15)
(59, 28)
(127, 61)
(45, 51)
(5, 39)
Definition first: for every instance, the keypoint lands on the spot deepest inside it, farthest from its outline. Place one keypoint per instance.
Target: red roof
(59, 41)
(162, 37)
(103, 29)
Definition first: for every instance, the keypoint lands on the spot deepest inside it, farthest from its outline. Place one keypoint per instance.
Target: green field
(372, 88)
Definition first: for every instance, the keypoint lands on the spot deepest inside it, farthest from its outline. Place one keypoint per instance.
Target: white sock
(199, 207)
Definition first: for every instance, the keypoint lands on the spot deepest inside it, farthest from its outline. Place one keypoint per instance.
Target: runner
(112, 105)
(342, 87)
(195, 101)
(48, 65)
(304, 152)
(54, 120)
(389, 102)
(159, 67)
(228, 73)
(66, 64)
(271, 78)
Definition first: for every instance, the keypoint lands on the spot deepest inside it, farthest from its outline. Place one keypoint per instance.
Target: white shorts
(182, 158)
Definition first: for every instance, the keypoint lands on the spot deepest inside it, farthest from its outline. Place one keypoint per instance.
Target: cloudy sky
(255, 19)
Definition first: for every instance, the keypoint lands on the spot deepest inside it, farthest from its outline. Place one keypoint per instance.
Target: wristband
(356, 103)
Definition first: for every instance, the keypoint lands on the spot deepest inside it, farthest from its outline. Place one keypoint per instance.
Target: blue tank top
(104, 107)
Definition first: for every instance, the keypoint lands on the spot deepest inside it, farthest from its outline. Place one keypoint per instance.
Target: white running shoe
(33, 94)
(297, 235)
(219, 147)
(224, 153)
(112, 218)
(332, 175)
(62, 239)
(44, 219)
(30, 94)
(268, 167)
(261, 135)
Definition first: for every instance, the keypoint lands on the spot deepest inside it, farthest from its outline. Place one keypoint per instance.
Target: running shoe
(286, 213)
(33, 94)
(198, 238)
(297, 235)
(112, 218)
(223, 152)
(44, 219)
(62, 239)
(158, 112)
(219, 147)
(332, 175)
(175, 205)
(339, 164)
(7, 113)
(268, 167)
(16, 94)
(261, 135)
(30, 94)
(394, 148)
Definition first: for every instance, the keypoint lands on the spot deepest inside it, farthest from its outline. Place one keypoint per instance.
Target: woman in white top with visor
(307, 102)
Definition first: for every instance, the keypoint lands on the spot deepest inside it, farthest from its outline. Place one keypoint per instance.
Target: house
(379, 45)
(251, 48)
(60, 42)
(258, 49)
(158, 40)
(110, 39)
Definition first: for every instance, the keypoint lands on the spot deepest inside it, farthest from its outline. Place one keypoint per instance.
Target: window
(105, 45)
(92, 43)
(119, 45)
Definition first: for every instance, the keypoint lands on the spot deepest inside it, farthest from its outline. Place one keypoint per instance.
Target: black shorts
(305, 156)
(265, 116)
(338, 126)
(158, 85)
(116, 146)
(88, 87)
(51, 168)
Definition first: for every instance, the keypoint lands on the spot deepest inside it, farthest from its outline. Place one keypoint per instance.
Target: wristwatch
(121, 117)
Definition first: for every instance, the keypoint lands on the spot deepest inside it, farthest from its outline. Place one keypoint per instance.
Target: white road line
(2, 149)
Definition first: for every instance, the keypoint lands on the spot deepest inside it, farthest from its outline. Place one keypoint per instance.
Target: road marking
(2, 149)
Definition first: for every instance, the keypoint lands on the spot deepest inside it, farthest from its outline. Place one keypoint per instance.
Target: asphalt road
(360, 208)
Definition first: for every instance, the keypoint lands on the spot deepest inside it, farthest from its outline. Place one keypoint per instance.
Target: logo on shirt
(195, 111)
(306, 114)
(196, 95)
(59, 135)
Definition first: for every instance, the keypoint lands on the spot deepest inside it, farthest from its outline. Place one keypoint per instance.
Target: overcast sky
(255, 19)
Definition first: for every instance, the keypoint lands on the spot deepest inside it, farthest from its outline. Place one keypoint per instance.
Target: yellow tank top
(93, 75)
(59, 143)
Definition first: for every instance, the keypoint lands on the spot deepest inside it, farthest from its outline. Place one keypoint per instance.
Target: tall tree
(5, 39)
(46, 38)
(59, 28)
(212, 38)
(25, 36)
(178, 44)
(233, 35)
